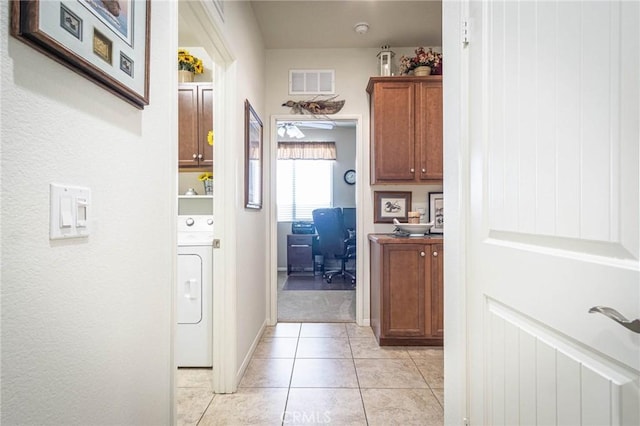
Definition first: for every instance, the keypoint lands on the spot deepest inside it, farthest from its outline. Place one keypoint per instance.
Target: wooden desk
(300, 250)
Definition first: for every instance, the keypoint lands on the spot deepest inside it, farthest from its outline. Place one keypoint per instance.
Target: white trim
(455, 188)
(173, 324)
(202, 15)
(362, 287)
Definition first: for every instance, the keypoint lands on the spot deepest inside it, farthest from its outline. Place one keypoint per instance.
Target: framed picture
(253, 158)
(391, 205)
(436, 212)
(106, 41)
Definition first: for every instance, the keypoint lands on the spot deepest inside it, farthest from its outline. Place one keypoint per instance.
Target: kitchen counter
(394, 239)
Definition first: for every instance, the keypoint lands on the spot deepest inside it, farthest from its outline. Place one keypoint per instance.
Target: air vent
(312, 82)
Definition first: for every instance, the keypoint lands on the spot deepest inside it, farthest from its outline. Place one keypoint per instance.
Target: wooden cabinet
(406, 129)
(195, 120)
(407, 290)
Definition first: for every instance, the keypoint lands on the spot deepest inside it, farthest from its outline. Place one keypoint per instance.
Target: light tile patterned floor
(322, 373)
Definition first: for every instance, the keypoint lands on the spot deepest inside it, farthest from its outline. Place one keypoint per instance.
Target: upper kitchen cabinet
(195, 120)
(406, 129)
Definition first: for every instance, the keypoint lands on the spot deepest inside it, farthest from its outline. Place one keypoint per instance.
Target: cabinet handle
(424, 170)
(200, 156)
(299, 245)
(195, 156)
(422, 254)
(435, 254)
(413, 170)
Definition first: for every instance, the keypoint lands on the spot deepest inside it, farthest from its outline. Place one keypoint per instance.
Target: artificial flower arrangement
(188, 62)
(423, 58)
(205, 176)
(210, 137)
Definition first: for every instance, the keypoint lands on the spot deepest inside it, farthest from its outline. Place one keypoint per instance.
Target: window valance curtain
(306, 150)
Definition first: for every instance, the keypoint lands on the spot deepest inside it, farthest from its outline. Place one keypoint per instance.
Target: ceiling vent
(312, 82)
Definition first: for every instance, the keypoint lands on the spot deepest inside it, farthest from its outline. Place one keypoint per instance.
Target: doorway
(314, 165)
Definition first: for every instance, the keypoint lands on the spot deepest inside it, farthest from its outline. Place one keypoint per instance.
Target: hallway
(322, 373)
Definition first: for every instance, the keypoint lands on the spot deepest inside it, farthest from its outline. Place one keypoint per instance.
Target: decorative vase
(185, 76)
(419, 71)
(208, 186)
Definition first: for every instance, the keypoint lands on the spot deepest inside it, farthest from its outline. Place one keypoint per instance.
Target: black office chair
(334, 241)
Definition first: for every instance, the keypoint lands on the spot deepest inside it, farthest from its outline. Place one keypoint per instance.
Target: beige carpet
(315, 305)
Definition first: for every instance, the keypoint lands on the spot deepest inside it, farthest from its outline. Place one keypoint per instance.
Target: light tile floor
(321, 373)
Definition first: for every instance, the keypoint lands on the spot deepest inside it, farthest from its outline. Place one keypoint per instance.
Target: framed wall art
(106, 41)
(253, 158)
(391, 205)
(436, 212)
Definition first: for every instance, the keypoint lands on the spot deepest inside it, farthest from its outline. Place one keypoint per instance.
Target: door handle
(617, 317)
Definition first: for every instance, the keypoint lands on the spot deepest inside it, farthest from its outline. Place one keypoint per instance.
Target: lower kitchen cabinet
(407, 290)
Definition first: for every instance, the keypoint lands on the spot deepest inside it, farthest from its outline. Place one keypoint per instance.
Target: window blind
(303, 186)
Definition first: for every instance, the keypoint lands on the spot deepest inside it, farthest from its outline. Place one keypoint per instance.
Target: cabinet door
(437, 290)
(205, 118)
(429, 130)
(405, 301)
(187, 125)
(393, 132)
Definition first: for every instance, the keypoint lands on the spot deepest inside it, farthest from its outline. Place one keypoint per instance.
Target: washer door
(189, 289)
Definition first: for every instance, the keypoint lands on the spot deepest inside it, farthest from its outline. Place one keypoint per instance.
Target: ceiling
(329, 23)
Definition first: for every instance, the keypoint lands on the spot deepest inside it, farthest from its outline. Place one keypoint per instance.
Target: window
(303, 185)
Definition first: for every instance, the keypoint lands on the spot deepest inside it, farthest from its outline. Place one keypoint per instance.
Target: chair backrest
(349, 215)
(329, 225)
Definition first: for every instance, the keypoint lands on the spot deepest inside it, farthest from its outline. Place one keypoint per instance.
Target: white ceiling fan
(292, 128)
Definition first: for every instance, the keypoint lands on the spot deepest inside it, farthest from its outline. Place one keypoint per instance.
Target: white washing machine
(194, 289)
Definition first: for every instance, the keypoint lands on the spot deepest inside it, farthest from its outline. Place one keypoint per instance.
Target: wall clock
(350, 176)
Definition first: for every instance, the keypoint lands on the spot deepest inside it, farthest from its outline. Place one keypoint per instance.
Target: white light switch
(69, 211)
(65, 212)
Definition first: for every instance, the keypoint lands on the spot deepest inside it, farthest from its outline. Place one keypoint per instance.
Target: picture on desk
(391, 205)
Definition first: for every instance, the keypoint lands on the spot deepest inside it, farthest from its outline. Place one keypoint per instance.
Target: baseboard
(247, 358)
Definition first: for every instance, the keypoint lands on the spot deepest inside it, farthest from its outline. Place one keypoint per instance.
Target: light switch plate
(69, 212)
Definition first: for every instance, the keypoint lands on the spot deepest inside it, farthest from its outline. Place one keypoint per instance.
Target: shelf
(192, 197)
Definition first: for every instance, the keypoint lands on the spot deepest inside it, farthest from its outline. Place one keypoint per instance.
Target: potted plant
(188, 65)
(424, 63)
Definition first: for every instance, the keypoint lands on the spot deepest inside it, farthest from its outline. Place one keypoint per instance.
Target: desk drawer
(300, 240)
(300, 256)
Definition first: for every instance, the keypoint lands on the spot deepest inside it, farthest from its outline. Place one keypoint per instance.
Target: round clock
(350, 176)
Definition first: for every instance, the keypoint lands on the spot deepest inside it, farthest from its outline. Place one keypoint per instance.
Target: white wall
(86, 323)
(241, 31)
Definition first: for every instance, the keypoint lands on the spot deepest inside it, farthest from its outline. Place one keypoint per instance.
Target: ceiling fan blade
(324, 125)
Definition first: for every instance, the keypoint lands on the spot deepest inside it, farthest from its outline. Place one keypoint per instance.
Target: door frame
(362, 287)
(456, 195)
(203, 16)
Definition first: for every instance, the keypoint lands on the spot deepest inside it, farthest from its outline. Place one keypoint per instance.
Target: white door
(553, 212)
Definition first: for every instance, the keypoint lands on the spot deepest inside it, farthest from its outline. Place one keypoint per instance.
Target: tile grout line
(353, 360)
(426, 381)
(206, 408)
(293, 367)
